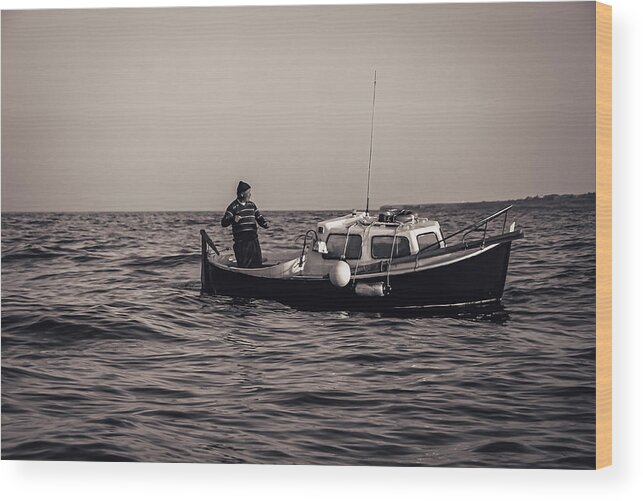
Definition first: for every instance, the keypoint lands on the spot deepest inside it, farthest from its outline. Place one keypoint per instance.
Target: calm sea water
(111, 353)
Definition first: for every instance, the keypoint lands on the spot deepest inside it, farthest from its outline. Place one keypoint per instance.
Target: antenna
(370, 153)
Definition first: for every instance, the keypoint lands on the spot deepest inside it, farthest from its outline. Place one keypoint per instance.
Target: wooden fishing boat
(362, 262)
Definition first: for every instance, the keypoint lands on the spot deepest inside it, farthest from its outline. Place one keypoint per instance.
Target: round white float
(340, 274)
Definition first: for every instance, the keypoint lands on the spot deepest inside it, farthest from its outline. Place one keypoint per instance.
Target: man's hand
(237, 218)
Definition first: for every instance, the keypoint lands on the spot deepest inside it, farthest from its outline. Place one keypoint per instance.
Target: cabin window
(336, 243)
(381, 247)
(428, 240)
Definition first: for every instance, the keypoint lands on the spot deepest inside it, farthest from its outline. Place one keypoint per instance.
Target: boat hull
(472, 279)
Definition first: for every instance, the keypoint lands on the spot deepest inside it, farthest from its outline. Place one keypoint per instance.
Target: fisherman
(244, 216)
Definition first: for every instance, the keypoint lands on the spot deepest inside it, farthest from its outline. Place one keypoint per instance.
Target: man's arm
(263, 222)
(228, 217)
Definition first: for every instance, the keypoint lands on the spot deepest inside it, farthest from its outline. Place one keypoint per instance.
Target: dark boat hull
(476, 279)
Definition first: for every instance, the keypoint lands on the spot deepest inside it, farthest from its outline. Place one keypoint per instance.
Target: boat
(395, 260)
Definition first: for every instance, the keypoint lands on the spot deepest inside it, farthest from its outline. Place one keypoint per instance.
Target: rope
(390, 259)
(368, 228)
(348, 232)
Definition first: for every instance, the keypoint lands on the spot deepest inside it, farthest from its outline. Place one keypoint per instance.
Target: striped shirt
(246, 228)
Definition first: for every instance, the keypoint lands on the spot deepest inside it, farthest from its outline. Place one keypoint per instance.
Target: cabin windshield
(336, 243)
(381, 247)
(427, 240)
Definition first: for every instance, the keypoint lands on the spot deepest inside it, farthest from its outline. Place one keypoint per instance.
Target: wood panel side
(603, 235)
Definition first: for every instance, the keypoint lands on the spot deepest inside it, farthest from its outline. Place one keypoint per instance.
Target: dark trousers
(248, 253)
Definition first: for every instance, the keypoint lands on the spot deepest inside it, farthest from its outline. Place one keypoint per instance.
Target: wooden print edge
(603, 235)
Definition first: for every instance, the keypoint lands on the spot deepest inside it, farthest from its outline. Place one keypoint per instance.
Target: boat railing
(481, 225)
(312, 234)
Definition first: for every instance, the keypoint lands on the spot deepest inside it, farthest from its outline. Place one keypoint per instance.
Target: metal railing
(477, 226)
(314, 238)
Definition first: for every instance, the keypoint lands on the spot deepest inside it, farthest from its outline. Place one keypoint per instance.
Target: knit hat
(241, 187)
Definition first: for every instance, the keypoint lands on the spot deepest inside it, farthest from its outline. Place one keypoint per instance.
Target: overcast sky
(167, 109)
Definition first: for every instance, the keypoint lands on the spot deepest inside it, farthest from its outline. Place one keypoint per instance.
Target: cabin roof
(359, 222)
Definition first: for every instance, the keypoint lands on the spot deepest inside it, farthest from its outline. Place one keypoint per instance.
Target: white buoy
(340, 274)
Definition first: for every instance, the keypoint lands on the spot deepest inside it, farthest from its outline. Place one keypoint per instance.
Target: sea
(110, 352)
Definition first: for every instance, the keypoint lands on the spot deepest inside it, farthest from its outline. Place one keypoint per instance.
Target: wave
(38, 253)
(54, 450)
(66, 330)
(31, 253)
(163, 261)
(500, 446)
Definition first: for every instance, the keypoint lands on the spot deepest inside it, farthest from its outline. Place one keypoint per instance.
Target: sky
(167, 109)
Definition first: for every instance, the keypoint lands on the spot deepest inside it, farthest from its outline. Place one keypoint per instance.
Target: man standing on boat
(243, 215)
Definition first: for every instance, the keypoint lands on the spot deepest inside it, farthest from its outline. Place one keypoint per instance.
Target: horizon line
(89, 211)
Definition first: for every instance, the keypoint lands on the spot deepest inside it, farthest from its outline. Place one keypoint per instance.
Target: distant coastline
(536, 200)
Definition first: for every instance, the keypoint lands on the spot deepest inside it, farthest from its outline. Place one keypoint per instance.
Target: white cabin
(361, 239)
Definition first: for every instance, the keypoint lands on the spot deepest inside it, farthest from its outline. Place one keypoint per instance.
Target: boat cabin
(361, 239)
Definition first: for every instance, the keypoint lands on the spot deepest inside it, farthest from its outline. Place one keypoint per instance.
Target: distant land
(532, 201)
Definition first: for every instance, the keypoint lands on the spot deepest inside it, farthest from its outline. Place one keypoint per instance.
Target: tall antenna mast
(370, 153)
